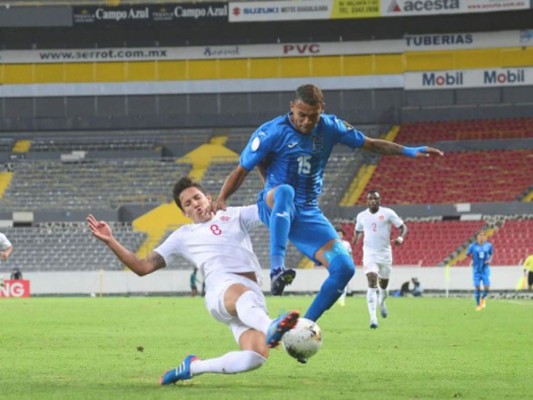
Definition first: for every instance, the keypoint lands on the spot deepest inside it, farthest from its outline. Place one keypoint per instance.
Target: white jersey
(220, 245)
(377, 229)
(4, 242)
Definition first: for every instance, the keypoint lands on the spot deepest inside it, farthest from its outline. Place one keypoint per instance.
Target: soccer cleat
(483, 302)
(284, 323)
(373, 324)
(180, 373)
(479, 308)
(280, 280)
(383, 310)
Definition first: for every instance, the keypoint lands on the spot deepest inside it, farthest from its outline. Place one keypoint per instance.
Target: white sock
(230, 363)
(371, 299)
(251, 313)
(343, 295)
(382, 295)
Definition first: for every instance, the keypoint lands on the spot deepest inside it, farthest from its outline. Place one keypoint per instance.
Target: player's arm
(403, 231)
(489, 258)
(391, 148)
(102, 231)
(230, 186)
(262, 171)
(357, 237)
(4, 255)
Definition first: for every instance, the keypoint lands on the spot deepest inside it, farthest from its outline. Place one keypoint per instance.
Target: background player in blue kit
(481, 252)
(291, 152)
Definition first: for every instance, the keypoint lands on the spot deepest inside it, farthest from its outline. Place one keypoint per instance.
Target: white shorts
(214, 300)
(382, 269)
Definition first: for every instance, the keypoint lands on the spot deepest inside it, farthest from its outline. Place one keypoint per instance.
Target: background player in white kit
(220, 246)
(375, 225)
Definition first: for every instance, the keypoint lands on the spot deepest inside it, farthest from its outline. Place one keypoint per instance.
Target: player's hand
(431, 151)
(100, 229)
(3, 255)
(398, 241)
(217, 205)
(422, 151)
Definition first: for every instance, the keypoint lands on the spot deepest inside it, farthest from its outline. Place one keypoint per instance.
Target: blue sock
(341, 269)
(477, 295)
(485, 294)
(280, 224)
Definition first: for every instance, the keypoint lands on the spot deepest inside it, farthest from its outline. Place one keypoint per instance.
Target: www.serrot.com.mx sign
(18, 288)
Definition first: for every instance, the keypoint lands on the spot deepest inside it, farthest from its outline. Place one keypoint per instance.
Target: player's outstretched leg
(284, 323)
(341, 269)
(180, 373)
(280, 224)
(279, 279)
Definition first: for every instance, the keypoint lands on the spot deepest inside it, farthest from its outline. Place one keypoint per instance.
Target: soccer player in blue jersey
(291, 152)
(481, 252)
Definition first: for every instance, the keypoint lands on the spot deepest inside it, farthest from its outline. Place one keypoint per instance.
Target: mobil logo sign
(505, 76)
(442, 79)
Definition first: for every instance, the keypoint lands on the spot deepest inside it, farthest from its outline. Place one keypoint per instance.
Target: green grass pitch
(117, 348)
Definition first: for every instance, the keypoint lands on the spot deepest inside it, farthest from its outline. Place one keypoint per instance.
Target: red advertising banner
(15, 288)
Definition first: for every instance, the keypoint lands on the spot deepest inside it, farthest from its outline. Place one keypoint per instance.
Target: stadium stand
(511, 236)
(88, 184)
(121, 165)
(65, 246)
(437, 131)
(458, 177)
(217, 172)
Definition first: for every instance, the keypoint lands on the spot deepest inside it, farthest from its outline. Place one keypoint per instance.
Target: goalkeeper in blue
(481, 252)
(291, 153)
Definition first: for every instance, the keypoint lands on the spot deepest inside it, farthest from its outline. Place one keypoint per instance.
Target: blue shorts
(482, 276)
(310, 229)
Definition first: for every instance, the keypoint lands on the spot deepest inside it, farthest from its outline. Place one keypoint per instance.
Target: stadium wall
(229, 110)
(177, 282)
(52, 110)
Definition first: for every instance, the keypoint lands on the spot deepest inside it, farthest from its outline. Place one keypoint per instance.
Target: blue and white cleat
(373, 324)
(281, 325)
(279, 280)
(181, 373)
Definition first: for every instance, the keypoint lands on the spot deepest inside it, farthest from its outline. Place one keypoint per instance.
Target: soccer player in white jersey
(375, 225)
(220, 246)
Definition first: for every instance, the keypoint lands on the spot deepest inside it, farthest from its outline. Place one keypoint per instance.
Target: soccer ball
(303, 341)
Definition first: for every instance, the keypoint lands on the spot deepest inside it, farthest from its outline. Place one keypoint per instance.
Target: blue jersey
(297, 159)
(480, 253)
